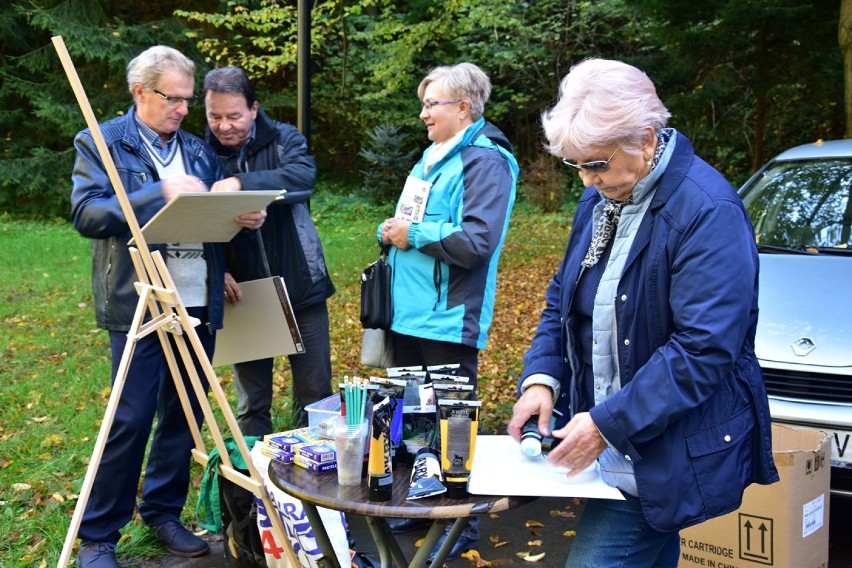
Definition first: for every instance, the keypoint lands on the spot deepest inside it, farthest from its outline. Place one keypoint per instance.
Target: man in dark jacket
(155, 161)
(262, 154)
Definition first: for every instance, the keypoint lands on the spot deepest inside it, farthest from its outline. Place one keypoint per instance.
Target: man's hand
(233, 293)
(395, 232)
(181, 184)
(252, 220)
(228, 184)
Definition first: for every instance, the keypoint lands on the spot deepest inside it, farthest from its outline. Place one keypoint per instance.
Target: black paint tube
(457, 392)
(395, 389)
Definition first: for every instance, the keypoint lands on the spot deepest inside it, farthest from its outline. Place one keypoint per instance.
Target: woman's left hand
(395, 232)
(581, 444)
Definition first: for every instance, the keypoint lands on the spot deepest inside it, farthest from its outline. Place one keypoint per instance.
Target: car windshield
(802, 205)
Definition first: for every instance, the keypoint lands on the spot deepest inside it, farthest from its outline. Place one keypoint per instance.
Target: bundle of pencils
(354, 394)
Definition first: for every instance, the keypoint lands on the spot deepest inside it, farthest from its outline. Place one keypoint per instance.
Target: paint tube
(532, 442)
(449, 379)
(455, 392)
(395, 389)
(426, 479)
(447, 368)
(427, 397)
(459, 421)
(413, 380)
(379, 469)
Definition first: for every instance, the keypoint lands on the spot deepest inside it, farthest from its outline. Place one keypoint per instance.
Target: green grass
(55, 365)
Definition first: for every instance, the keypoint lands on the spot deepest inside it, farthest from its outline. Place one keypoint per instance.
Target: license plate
(841, 446)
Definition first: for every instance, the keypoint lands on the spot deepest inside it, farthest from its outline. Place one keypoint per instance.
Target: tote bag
(376, 304)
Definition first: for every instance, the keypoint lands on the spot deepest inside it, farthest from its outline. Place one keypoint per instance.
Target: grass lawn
(55, 364)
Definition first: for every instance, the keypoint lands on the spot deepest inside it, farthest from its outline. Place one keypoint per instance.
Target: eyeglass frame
(175, 101)
(598, 166)
(426, 105)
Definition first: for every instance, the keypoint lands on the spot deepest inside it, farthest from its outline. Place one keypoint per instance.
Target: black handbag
(376, 305)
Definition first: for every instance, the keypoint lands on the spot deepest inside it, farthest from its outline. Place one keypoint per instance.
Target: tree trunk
(844, 36)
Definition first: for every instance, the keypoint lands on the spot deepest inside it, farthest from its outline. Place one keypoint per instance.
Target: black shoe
(180, 541)
(97, 555)
(398, 526)
(463, 544)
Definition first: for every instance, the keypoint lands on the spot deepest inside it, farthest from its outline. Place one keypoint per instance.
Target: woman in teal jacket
(646, 343)
(445, 264)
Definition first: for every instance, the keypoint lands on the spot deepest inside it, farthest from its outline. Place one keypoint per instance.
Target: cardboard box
(783, 525)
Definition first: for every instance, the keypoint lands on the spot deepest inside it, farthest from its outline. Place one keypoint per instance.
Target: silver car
(801, 209)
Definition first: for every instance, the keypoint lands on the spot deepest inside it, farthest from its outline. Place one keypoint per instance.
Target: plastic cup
(349, 444)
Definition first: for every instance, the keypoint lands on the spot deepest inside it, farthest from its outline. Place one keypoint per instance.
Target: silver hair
(602, 103)
(147, 67)
(463, 81)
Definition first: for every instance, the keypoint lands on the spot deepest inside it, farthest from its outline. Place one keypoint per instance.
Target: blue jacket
(692, 414)
(444, 284)
(96, 213)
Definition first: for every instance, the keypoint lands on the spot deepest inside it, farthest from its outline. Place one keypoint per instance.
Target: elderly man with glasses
(155, 161)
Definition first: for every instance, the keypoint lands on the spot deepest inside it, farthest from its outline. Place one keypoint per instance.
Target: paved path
(510, 527)
(508, 530)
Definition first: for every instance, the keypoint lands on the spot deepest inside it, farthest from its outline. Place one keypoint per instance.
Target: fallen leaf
(534, 543)
(501, 544)
(473, 556)
(494, 538)
(570, 533)
(21, 487)
(531, 557)
(533, 524)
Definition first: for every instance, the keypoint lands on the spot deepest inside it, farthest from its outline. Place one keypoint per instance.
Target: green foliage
(387, 163)
(742, 79)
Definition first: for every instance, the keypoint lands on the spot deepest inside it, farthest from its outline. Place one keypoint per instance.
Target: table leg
(329, 559)
(452, 538)
(386, 543)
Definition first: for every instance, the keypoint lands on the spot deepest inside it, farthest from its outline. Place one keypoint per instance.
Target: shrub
(544, 183)
(387, 164)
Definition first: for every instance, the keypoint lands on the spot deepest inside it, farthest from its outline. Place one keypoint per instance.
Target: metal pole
(303, 82)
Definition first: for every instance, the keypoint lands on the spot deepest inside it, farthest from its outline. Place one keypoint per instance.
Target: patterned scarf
(605, 230)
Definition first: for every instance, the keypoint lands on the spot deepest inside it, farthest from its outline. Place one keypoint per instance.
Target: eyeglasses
(175, 101)
(428, 105)
(599, 166)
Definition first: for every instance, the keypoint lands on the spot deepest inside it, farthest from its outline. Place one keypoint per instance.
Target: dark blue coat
(692, 414)
(96, 213)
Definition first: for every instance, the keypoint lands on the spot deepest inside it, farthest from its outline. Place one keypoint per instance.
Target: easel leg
(103, 435)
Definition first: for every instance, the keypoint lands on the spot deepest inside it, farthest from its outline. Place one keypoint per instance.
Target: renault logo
(803, 346)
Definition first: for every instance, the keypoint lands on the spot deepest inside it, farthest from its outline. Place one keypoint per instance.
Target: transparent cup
(349, 445)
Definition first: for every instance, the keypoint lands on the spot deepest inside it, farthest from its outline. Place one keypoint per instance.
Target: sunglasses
(598, 166)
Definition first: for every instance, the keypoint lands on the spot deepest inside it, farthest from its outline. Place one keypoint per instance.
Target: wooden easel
(158, 296)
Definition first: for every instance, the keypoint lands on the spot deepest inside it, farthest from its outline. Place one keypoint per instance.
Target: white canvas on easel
(260, 326)
(203, 217)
